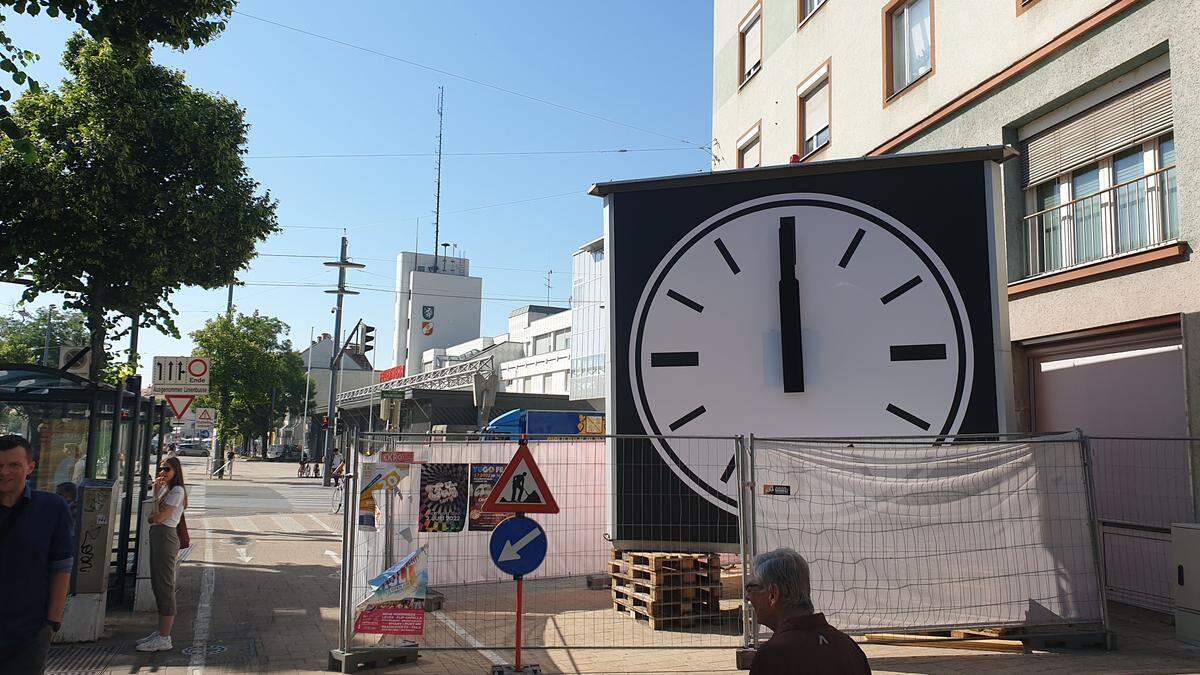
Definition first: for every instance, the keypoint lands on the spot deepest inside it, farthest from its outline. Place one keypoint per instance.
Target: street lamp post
(342, 263)
(46, 343)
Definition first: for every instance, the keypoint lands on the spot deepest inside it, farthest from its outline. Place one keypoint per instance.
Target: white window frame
(754, 135)
(901, 12)
(821, 77)
(1066, 231)
(749, 70)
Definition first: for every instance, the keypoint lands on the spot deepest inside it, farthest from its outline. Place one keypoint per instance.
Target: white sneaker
(147, 638)
(159, 643)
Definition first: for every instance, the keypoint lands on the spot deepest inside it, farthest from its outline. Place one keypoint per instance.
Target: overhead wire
(464, 78)
(515, 153)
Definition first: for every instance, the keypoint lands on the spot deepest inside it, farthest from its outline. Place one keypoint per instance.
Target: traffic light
(324, 422)
(366, 336)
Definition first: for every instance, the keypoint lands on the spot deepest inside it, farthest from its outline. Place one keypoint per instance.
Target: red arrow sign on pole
(180, 403)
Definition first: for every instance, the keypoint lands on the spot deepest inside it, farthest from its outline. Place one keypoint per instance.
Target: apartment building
(1099, 98)
(1102, 212)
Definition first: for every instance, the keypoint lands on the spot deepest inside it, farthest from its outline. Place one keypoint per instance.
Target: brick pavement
(273, 608)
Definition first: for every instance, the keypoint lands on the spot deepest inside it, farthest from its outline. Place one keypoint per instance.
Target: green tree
(137, 188)
(23, 335)
(177, 23)
(252, 366)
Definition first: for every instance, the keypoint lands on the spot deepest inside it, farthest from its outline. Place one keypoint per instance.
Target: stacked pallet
(666, 589)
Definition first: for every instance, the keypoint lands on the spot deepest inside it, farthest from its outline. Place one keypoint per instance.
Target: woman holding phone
(170, 499)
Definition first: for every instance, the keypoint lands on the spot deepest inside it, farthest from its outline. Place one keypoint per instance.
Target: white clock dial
(885, 340)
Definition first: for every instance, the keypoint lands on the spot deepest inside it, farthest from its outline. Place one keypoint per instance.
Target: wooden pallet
(658, 623)
(670, 562)
(698, 591)
(666, 607)
(623, 569)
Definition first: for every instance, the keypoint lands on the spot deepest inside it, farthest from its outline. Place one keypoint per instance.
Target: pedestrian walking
(170, 500)
(302, 471)
(35, 562)
(803, 642)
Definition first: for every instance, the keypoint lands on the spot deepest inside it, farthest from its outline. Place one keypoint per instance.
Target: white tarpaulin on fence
(428, 508)
(907, 536)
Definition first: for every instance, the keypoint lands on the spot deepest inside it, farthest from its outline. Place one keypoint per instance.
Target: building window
(562, 339)
(909, 43)
(750, 44)
(1115, 204)
(749, 148)
(543, 343)
(807, 7)
(814, 111)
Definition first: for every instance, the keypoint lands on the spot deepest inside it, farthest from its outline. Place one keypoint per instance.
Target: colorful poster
(396, 605)
(483, 479)
(376, 477)
(443, 498)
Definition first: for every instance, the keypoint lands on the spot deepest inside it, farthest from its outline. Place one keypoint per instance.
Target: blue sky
(643, 64)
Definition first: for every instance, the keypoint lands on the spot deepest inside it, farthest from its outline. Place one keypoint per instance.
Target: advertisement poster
(483, 479)
(396, 605)
(443, 498)
(376, 477)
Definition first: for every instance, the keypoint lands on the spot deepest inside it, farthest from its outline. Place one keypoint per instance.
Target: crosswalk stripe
(242, 524)
(288, 524)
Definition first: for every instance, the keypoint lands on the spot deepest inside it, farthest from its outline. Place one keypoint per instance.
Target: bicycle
(339, 495)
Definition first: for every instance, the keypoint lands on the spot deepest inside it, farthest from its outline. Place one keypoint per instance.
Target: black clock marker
(669, 359)
(728, 470)
(733, 266)
(858, 237)
(685, 301)
(901, 290)
(789, 309)
(908, 417)
(919, 352)
(687, 418)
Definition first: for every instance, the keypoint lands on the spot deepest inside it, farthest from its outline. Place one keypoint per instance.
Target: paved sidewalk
(258, 593)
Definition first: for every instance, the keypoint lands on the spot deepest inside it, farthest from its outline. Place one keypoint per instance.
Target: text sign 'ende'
(180, 375)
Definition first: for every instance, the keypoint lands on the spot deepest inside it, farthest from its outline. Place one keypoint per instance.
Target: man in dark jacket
(35, 557)
(780, 590)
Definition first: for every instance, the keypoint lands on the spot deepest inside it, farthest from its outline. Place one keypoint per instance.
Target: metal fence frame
(745, 465)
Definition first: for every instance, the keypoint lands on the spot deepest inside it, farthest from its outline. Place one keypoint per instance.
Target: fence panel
(435, 508)
(1142, 486)
(909, 534)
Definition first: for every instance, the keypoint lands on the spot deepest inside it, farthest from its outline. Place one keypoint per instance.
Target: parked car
(191, 450)
(283, 453)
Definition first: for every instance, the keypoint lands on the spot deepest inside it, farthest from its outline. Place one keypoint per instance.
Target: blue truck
(541, 424)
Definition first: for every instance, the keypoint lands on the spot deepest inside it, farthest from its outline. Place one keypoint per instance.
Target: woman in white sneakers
(170, 499)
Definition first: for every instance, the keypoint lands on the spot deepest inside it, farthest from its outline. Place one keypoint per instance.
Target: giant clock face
(796, 315)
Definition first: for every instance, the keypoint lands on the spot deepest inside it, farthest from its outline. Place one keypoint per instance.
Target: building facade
(437, 305)
(589, 291)
(1101, 208)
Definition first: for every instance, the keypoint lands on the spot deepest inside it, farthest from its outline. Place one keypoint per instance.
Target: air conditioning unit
(1185, 547)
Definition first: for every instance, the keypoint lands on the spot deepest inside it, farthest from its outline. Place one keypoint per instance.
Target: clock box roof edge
(994, 153)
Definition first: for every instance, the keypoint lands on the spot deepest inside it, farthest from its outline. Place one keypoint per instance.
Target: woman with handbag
(168, 533)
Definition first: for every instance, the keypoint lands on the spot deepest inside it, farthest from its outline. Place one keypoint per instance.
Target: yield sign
(180, 403)
(521, 488)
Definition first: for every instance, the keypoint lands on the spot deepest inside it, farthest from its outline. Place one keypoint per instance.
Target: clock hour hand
(789, 308)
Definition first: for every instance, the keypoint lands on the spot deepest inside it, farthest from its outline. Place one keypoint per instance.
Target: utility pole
(133, 340)
(229, 301)
(224, 410)
(46, 343)
(307, 381)
(342, 263)
(437, 192)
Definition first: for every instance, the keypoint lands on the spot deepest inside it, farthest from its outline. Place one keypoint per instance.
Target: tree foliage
(137, 188)
(250, 360)
(23, 336)
(178, 23)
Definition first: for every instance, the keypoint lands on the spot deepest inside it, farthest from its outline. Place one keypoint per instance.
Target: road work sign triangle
(521, 488)
(180, 403)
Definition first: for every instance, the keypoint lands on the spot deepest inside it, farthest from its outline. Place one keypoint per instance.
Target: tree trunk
(96, 330)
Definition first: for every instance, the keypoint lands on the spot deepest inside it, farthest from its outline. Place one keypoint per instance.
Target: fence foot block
(433, 600)
(745, 657)
(597, 582)
(533, 668)
(355, 660)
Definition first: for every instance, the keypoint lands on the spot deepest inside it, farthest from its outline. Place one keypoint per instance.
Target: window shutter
(753, 49)
(1127, 118)
(816, 110)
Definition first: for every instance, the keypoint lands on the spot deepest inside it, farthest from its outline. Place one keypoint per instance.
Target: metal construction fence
(903, 535)
(1142, 486)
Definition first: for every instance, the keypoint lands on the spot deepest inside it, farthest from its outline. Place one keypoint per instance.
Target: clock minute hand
(789, 308)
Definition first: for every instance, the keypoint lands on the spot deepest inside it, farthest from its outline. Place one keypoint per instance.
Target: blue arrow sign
(518, 546)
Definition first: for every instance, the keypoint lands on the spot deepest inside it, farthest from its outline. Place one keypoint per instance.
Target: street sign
(81, 367)
(206, 418)
(518, 546)
(181, 375)
(179, 404)
(514, 493)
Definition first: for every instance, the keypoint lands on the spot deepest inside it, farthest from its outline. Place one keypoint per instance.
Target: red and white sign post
(518, 544)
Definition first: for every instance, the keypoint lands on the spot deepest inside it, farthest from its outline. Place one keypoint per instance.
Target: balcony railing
(1126, 217)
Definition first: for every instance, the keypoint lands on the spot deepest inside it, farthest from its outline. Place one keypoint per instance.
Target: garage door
(1126, 392)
